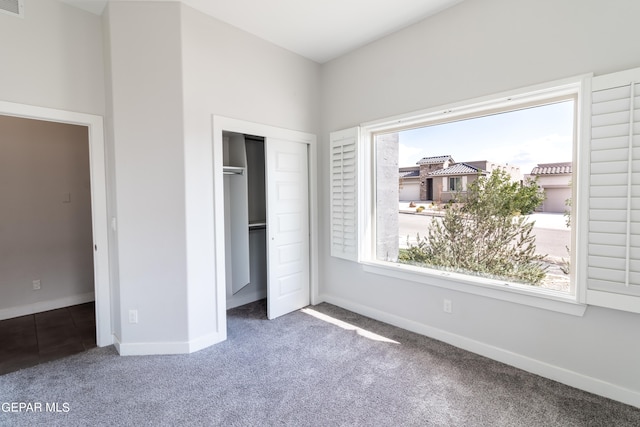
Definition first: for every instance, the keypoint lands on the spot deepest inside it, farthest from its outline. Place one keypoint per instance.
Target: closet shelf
(233, 170)
(257, 225)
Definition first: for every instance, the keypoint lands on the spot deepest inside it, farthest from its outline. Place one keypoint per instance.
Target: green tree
(484, 233)
(496, 194)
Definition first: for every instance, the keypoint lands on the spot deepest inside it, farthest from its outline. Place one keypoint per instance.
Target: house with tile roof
(440, 178)
(413, 178)
(555, 181)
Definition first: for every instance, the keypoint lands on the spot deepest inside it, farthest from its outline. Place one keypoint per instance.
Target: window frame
(573, 302)
(453, 180)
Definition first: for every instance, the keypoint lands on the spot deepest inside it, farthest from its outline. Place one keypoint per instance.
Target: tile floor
(29, 340)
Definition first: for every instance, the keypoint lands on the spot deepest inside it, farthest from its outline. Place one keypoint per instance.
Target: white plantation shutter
(613, 273)
(344, 193)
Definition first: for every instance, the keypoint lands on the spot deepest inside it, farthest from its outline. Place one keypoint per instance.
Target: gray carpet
(300, 370)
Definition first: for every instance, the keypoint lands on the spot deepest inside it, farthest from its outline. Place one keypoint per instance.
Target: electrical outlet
(133, 316)
(36, 285)
(447, 306)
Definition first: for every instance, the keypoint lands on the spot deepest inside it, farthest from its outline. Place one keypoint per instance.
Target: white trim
(580, 181)
(154, 348)
(615, 301)
(366, 199)
(616, 79)
(98, 202)
(227, 124)
(498, 101)
(519, 294)
(544, 369)
(314, 238)
(37, 307)
(203, 342)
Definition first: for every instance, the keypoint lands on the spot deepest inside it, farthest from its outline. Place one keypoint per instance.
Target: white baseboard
(562, 375)
(152, 348)
(155, 348)
(206, 341)
(23, 310)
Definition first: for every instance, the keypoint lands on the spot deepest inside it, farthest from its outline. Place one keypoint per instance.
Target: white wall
(52, 58)
(158, 135)
(478, 48)
(45, 227)
(230, 73)
(146, 98)
(171, 68)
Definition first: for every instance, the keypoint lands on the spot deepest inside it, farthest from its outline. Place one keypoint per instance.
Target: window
(499, 206)
(600, 201)
(413, 189)
(455, 183)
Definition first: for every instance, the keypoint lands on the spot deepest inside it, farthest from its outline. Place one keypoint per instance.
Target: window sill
(518, 294)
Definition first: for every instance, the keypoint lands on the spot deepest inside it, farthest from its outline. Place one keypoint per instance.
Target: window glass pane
(487, 196)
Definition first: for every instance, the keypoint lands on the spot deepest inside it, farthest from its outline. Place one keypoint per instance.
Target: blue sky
(523, 138)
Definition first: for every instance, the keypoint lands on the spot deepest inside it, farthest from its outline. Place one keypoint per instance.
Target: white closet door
(287, 227)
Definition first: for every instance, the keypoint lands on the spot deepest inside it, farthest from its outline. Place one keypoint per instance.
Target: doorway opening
(45, 241)
(94, 216)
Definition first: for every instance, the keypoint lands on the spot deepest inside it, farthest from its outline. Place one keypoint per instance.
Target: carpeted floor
(301, 370)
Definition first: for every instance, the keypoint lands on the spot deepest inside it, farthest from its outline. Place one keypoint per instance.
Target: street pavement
(552, 235)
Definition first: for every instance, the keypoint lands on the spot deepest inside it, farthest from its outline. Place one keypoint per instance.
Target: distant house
(416, 182)
(443, 184)
(409, 183)
(439, 178)
(555, 181)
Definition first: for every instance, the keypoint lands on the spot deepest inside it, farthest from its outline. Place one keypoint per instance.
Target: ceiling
(320, 30)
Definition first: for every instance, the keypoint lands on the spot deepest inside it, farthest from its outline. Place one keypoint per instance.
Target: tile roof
(457, 169)
(409, 173)
(436, 159)
(552, 169)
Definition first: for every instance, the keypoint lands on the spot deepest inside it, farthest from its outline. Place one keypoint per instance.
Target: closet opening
(245, 214)
(264, 218)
